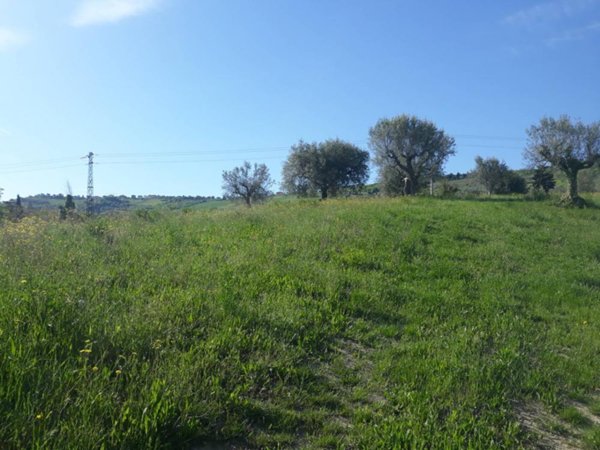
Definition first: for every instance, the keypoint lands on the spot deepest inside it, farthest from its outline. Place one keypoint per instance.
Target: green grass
(574, 417)
(595, 408)
(592, 439)
(406, 323)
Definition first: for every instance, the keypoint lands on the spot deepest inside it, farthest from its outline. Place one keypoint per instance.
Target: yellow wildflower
(85, 350)
(95, 369)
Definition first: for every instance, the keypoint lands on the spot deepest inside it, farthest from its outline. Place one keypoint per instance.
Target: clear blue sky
(169, 93)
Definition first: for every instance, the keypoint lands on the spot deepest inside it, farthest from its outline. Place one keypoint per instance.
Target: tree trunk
(573, 192)
(574, 198)
(431, 186)
(412, 186)
(323, 193)
(406, 187)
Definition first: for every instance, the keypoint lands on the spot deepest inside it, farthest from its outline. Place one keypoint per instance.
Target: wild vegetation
(567, 145)
(412, 322)
(361, 323)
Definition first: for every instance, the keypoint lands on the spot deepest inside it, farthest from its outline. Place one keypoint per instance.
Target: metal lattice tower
(90, 186)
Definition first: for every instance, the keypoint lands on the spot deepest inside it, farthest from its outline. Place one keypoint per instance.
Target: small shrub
(449, 190)
(515, 184)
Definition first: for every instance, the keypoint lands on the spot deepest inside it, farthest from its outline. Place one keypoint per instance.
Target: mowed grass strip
(406, 323)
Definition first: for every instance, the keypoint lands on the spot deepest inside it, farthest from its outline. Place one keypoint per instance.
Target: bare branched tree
(250, 183)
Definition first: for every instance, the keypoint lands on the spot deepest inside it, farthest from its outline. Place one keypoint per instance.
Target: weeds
(358, 323)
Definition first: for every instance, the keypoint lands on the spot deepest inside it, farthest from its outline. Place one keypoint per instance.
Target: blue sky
(169, 93)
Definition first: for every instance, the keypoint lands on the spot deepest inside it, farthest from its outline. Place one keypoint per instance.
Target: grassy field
(374, 323)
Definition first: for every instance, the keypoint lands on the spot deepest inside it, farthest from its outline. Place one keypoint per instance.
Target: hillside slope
(364, 323)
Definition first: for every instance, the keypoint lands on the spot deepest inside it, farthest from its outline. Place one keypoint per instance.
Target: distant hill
(122, 202)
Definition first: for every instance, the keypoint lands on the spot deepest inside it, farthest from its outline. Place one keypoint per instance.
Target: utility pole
(90, 186)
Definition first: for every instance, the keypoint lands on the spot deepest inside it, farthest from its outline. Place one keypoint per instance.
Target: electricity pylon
(90, 186)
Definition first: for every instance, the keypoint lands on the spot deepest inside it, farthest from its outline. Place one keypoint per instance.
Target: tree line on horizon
(73, 207)
(410, 153)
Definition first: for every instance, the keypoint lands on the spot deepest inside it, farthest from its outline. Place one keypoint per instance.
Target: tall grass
(357, 323)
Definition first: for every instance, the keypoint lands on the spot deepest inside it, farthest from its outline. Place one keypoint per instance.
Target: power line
(195, 153)
(498, 138)
(18, 165)
(148, 157)
(181, 161)
(140, 161)
(488, 146)
(39, 169)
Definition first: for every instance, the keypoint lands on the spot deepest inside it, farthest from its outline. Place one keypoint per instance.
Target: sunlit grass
(367, 323)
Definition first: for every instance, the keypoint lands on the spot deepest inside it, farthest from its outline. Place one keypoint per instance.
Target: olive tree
(250, 183)
(566, 145)
(325, 168)
(409, 150)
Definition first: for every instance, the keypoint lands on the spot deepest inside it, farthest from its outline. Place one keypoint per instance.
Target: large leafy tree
(567, 145)
(492, 173)
(325, 168)
(409, 150)
(250, 183)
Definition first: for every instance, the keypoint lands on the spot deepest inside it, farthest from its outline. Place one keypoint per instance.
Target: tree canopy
(408, 150)
(567, 145)
(491, 173)
(325, 168)
(543, 179)
(497, 178)
(250, 183)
